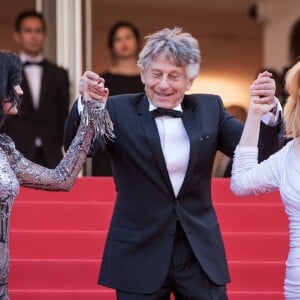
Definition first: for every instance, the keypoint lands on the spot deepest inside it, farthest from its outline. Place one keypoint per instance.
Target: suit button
(171, 234)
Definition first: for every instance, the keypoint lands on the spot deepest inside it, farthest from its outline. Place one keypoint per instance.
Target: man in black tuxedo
(38, 128)
(164, 235)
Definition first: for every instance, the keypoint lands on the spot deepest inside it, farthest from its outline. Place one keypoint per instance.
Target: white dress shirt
(175, 146)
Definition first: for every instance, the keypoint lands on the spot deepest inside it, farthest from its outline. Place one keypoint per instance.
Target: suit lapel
(44, 88)
(192, 126)
(152, 135)
(27, 92)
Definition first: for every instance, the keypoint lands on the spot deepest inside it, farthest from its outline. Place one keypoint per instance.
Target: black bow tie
(158, 112)
(33, 63)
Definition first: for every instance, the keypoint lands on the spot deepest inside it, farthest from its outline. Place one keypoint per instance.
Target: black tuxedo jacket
(141, 234)
(48, 121)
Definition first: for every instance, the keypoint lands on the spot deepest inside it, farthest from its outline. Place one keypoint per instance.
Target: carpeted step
(57, 244)
(87, 189)
(63, 295)
(75, 215)
(221, 193)
(89, 245)
(110, 295)
(83, 274)
(248, 217)
(65, 215)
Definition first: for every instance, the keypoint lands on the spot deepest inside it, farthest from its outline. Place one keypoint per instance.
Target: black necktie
(33, 63)
(158, 112)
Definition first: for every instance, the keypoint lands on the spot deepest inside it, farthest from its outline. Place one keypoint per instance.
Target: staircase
(255, 232)
(57, 242)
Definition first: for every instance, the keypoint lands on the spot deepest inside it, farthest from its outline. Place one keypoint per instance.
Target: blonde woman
(281, 171)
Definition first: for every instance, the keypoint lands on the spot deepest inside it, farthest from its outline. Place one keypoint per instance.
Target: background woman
(123, 76)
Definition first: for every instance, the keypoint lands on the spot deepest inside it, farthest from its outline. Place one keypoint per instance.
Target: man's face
(165, 83)
(31, 36)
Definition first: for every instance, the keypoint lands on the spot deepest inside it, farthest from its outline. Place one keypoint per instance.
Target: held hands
(262, 93)
(91, 87)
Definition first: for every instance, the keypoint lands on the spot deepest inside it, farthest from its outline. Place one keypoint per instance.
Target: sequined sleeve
(64, 175)
(249, 177)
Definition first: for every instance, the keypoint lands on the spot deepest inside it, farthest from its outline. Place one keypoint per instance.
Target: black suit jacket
(141, 234)
(48, 121)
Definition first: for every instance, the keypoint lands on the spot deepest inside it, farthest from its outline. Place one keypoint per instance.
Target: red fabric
(57, 241)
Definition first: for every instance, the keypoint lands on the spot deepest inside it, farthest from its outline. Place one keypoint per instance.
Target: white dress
(281, 171)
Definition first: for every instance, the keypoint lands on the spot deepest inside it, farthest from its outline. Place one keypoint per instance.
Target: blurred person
(281, 171)
(294, 52)
(16, 170)
(164, 235)
(123, 76)
(38, 128)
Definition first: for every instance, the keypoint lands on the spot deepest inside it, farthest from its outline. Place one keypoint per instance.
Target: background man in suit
(38, 128)
(164, 235)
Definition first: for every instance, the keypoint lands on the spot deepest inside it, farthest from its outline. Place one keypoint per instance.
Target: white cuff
(271, 118)
(79, 105)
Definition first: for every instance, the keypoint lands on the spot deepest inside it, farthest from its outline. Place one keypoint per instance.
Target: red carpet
(57, 242)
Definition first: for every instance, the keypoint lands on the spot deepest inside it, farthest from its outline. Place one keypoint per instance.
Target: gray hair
(176, 45)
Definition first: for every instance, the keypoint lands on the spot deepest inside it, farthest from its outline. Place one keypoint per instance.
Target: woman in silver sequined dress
(16, 170)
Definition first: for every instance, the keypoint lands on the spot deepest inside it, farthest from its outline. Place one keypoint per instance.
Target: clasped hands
(262, 92)
(91, 87)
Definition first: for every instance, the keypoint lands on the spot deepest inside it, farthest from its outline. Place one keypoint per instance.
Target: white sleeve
(79, 105)
(249, 177)
(272, 118)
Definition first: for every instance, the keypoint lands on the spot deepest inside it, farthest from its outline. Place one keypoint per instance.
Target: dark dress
(117, 84)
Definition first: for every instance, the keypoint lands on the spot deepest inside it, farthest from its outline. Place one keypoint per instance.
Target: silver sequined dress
(281, 171)
(16, 170)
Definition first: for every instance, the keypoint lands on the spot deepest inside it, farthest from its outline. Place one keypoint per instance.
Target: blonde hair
(291, 111)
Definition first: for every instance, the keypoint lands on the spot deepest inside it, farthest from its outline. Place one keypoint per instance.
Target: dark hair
(116, 27)
(294, 42)
(10, 76)
(28, 14)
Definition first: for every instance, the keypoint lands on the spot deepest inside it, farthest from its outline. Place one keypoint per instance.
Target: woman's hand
(262, 93)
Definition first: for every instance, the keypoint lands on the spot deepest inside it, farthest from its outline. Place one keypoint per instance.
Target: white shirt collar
(152, 107)
(25, 57)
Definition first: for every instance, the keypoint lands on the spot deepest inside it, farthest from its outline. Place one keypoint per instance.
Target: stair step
(253, 295)
(62, 294)
(256, 246)
(221, 193)
(83, 274)
(87, 189)
(60, 244)
(256, 276)
(110, 295)
(57, 244)
(57, 241)
(103, 189)
(248, 217)
(67, 215)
